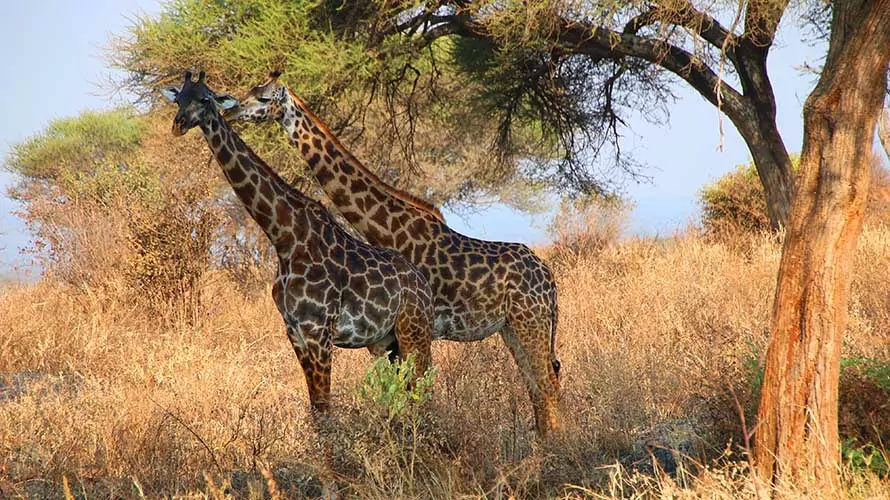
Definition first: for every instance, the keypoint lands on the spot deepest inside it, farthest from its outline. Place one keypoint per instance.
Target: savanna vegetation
(150, 361)
(661, 341)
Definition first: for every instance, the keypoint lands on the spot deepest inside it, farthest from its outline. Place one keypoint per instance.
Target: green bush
(865, 457)
(863, 403)
(735, 204)
(111, 208)
(388, 386)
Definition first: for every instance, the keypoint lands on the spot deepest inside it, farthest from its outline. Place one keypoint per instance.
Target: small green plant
(865, 457)
(873, 369)
(753, 368)
(402, 445)
(388, 385)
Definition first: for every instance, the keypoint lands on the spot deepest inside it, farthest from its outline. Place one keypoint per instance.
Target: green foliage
(107, 209)
(753, 368)
(409, 112)
(873, 369)
(865, 458)
(388, 386)
(86, 156)
(736, 203)
(864, 403)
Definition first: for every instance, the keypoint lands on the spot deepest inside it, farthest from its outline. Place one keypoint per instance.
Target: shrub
(735, 205)
(388, 386)
(111, 208)
(586, 226)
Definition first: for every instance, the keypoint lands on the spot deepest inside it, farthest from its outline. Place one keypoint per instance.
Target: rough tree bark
(797, 434)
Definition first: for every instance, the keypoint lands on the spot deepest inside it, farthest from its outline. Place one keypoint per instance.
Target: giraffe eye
(263, 100)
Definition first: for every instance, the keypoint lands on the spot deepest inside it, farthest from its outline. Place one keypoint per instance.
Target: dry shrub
(117, 207)
(734, 205)
(652, 333)
(585, 227)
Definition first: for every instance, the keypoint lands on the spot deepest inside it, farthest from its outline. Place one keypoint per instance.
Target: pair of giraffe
(415, 280)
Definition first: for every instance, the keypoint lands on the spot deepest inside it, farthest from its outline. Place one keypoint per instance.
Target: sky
(53, 53)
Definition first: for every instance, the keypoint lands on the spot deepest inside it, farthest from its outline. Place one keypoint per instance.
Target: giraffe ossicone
(331, 288)
(479, 287)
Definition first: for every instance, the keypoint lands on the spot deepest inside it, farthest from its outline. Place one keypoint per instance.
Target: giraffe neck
(269, 200)
(374, 208)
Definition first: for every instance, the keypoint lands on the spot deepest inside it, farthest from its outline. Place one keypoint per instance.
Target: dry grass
(99, 398)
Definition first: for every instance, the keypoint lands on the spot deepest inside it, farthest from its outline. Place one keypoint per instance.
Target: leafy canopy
(425, 114)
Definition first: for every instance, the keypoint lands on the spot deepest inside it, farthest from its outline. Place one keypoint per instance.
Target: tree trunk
(773, 165)
(797, 435)
(757, 125)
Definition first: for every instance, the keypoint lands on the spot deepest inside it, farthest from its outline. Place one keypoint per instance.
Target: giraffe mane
(415, 201)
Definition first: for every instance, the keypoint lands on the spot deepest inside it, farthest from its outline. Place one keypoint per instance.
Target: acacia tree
(580, 66)
(797, 432)
(554, 80)
(440, 148)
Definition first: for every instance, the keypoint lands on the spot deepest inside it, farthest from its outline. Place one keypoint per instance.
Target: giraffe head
(265, 102)
(197, 103)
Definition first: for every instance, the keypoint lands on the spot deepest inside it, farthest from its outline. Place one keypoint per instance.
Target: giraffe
(331, 288)
(480, 287)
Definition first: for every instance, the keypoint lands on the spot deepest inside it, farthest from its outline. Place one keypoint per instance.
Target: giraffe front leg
(314, 349)
(529, 343)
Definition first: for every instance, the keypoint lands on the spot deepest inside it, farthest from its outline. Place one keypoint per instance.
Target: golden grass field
(659, 342)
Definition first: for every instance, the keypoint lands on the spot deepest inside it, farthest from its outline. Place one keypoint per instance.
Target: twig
(718, 88)
(191, 431)
(746, 435)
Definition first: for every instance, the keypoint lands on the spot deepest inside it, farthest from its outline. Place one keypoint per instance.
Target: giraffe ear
(170, 93)
(225, 101)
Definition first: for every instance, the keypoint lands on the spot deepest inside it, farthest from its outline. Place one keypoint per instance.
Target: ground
(660, 343)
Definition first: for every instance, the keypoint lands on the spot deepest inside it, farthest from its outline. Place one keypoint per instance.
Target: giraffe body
(479, 287)
(331, 288)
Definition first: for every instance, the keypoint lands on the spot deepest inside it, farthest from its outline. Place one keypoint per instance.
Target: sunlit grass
(659, 342)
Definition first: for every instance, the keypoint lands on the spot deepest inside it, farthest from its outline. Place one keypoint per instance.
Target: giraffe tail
(554, 316)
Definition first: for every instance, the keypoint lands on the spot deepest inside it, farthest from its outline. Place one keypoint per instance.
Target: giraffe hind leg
(529, 344)
(393, 350)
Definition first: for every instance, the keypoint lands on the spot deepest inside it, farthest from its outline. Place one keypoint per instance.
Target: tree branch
(761, 21)
(687, 16)
(605, 43)
(601, 43)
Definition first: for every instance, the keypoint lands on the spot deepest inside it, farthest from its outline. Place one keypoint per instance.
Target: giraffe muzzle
(232, 113)
(179, 126)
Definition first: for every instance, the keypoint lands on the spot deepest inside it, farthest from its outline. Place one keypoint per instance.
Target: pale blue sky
(52, 52)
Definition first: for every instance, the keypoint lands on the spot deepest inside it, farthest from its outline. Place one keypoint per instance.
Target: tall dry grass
(659, 341)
